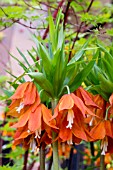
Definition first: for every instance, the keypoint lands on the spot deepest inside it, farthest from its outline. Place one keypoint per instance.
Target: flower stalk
(102, 165)
(42, 157)
(55, 144)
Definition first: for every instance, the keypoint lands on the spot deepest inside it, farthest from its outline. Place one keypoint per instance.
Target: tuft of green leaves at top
(55, 71)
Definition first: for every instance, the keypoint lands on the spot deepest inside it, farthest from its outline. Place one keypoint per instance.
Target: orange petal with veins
(87, 97)
(13, 113)
(66, 102)
(78, 130)
(30, 94)
(19, 93)
(23, 119)
(65, 133)
(109, 128)
(98, 132)
(79, 103)
(35, 119)
(47, 115)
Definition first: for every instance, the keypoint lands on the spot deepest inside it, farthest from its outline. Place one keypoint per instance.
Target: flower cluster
(78, 116)
(33, 117)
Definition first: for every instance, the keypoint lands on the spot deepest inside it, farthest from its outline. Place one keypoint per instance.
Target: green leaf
(106, 85)
(34, 59)
(60, 38)
(20, 63)
(76, 6)
(98, 90)
(8, 93)
(18, 78)
(50, 50)
(83, 74)
(21, 81)
(109, 31)
(52, 32)
(7, 128)
(43, 82)
(44, 55)
(94, 19)
(108, 68)
(56, 58)
(71, 73)
(92, 78)
(80, 53)
(3, 78)
(59, 17)
(110, 58)
(59, 71)
(24, 57)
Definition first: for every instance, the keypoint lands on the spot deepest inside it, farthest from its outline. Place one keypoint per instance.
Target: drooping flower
(99, 112)
(25, 95)
(86, 97)
(103, 128)
(26, 92)
(70, 114)
(33, 117)
(102, 131)
(31, 124)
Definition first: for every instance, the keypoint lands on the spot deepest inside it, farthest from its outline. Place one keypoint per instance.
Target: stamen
(28, 131)
(18, 109)
(70, 118)
(33, 145)
(69, 142)
(38, 133)
(104, 145)
(91, 121)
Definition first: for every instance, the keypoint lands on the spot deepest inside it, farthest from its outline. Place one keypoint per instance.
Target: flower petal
(66, 102)
(47, 115)
(13, 113)
(79, 104)
(15, 103)
(78, 130)
(35, 119)
(65, 133)
(23, 119)
(87, 97)
(55, 112)
(109, 128)
(19, 93)
(76, 140)
(98, 132)
(30, 94)
(110, 145)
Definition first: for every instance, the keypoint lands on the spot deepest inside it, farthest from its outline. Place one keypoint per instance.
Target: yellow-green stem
(55, 144)
(42, 158)
(102, 164)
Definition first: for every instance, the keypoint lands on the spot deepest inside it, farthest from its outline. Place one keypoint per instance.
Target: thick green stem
(55, 144)
(102, 164)
(42, 157)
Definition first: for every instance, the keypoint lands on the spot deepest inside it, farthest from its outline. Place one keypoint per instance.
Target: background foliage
(82, 19)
